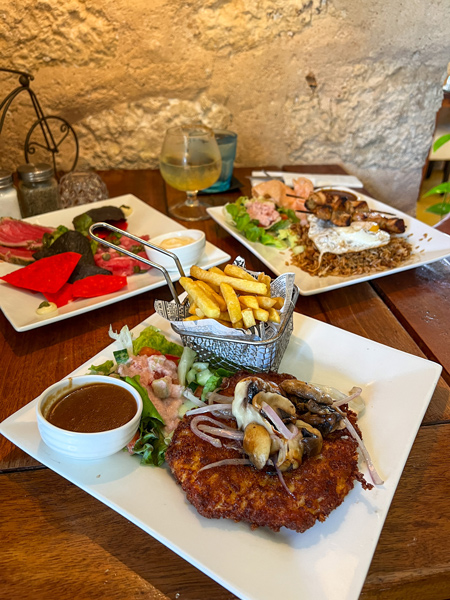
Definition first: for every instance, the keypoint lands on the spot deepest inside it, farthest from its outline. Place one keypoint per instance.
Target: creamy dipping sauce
(93, 408)
(176, 242)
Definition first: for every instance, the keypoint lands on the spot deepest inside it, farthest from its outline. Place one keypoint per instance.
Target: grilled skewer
(341, 212)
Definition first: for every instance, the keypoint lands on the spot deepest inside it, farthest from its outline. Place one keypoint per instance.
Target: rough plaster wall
(354, 82)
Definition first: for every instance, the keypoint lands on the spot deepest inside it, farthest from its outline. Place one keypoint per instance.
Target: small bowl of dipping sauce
(187, 244)
(89, 416)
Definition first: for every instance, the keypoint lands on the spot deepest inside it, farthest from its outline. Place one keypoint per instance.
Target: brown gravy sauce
(92, 408)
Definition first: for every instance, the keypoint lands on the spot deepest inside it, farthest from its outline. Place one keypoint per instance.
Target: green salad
(279, 234)
(192, 380)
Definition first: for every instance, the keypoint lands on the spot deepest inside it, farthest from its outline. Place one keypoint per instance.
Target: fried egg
(360, 235)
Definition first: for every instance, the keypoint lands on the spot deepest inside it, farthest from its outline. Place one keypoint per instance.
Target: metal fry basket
(238, 353)
(230, 351)
(257, 350)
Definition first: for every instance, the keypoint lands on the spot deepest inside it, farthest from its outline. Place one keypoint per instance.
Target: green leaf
(149, 410)
(82, 223)
(253, 232)
(152, 338)
(442, 208)
(104, 369)
(242, 222)
(442, 188)
(233, 210)
(441, 141)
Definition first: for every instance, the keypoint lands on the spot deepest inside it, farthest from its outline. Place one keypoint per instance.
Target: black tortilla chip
(70, 241)
(105, 213)
(86, 270)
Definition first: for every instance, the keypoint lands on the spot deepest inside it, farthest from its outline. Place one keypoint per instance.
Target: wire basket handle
(137, 257)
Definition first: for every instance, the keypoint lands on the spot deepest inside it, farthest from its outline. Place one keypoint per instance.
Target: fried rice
(390, 256)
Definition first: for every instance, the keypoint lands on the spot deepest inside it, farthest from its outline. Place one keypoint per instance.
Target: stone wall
(354, 82)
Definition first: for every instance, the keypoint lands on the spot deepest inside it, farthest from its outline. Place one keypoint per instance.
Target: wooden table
(59, 542)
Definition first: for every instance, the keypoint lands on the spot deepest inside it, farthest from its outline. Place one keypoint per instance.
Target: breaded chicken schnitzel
(258, 496)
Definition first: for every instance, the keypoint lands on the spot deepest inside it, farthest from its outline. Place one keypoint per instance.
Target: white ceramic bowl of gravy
(120, 421)
(187, 244)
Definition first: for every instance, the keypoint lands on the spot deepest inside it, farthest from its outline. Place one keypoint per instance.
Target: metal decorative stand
(55, 130)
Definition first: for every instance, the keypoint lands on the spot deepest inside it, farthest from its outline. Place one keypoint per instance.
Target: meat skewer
(342, 211)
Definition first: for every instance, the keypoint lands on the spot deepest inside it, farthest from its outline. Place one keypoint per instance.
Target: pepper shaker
(38, 189)
(9, 204)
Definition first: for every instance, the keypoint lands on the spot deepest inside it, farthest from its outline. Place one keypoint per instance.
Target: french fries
(208, 307)
(231, 296)
(241, 285)
(235, 271)
(232, 301)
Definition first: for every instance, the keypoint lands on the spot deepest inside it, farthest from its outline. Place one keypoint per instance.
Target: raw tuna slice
(16, 256)
(20, 234)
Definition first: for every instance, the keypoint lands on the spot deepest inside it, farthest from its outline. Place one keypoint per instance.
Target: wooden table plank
(420, 300)
(70, 545)
(359, 309)
(412, 559)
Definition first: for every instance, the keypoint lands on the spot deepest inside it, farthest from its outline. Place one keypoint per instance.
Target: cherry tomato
(147, 351)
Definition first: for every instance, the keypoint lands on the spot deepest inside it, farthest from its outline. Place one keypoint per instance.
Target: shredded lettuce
(124, 338)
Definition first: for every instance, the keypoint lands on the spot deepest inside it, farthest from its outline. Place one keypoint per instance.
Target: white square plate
(329, 561)
(318, 179)
(428, 245)
(19, 305)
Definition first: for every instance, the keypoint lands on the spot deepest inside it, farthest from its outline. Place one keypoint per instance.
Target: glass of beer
(190, 161)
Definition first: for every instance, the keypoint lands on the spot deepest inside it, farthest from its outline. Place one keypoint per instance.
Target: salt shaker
(38, 189)
(9, 204)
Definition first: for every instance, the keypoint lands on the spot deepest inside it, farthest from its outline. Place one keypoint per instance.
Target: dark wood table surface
(59, 542)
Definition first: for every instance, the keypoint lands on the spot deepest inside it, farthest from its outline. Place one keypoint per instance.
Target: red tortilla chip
(45, 275)
(62, 296)
(97, 285)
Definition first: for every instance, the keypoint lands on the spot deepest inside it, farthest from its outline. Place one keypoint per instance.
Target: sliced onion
(373, 472)
(281, 427)
(207, 438)
(283, 483)
(355, 392)
(199, 418)
(226, 433)
(215, 397)
(235, 447)
(226, 461)
(187, 393)
(206, 408)
(282, 453)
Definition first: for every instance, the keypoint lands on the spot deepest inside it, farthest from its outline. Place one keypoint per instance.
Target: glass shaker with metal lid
(9, 205)
(38, 189)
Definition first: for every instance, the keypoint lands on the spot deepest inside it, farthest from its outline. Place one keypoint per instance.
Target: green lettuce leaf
(153, 338)
(151, 445)
(105, 368)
